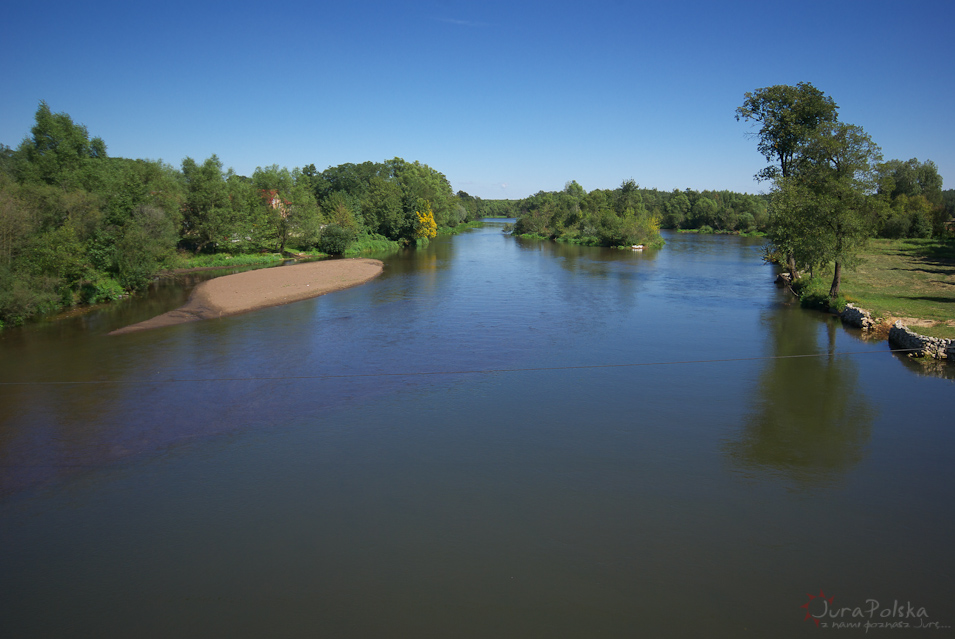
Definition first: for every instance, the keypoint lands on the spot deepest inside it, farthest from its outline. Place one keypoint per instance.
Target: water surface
(496, 437)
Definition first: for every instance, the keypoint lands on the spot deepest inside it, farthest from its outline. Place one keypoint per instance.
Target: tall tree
(789, 115)
(208, 215)
(56, 150)
(828, 206)
(287, 205)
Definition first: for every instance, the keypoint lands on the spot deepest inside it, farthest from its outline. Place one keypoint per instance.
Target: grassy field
(912, 280)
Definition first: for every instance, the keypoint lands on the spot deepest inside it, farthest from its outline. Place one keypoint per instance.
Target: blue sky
(504, 98)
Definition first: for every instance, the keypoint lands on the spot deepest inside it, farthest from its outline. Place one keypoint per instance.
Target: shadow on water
(809, 422)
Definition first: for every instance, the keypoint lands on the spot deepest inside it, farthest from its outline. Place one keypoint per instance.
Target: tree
(56, 150)
(826, 212)
(789, 115)
(209, 217)
(677, 208)
(147, 241)
(911, 178)
(914, 191)
(287, 205)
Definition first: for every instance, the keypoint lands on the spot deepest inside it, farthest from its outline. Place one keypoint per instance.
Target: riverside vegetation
(80, 227)
(831, 193)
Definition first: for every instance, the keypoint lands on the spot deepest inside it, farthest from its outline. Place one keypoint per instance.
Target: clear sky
(504, 98)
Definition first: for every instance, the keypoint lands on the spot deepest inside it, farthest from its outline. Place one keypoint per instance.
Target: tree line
(630, 215)
(831, 191)
(79, 227)
(613, 217)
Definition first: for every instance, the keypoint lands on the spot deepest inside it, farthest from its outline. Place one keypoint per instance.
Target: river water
(495, 438)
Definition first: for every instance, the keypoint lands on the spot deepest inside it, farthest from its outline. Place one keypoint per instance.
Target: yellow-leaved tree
(426, 226)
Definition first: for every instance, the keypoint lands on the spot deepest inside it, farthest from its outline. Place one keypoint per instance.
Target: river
(495, 438)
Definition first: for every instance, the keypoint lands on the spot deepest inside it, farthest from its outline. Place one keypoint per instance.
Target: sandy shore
(252, 290)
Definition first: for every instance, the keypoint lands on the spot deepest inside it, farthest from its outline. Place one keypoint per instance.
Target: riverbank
(253, 290)
(911, 280)
(903, 291)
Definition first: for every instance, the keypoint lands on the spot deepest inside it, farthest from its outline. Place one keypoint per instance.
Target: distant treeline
(77, 226)
(916, 206)
(631, 215)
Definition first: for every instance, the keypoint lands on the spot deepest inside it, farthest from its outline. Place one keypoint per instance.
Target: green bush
(23, 295)
(335, 239)
(104, 289)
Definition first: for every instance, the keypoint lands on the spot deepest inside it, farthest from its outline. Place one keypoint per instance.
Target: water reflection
(810, 422)
(927, 366)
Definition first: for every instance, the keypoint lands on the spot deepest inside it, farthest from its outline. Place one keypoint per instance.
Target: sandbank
(252, 290)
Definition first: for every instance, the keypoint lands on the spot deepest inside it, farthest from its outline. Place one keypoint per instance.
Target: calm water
(496, 438)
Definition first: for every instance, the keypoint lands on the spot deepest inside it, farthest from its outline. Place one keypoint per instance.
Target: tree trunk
(791, 265)
(836, 279)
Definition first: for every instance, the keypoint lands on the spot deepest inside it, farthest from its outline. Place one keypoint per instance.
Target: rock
(921, 345)
(855, 316)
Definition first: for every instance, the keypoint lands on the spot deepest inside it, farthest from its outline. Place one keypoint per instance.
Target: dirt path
(252, 290)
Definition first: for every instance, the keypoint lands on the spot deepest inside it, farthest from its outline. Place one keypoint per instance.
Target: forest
(80, 227)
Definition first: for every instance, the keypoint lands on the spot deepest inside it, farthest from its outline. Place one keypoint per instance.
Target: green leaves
(827, 210)
(788, 116)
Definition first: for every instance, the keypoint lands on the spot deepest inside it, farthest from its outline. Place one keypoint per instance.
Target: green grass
(371, 244)
(911, 278)
(187, 260)
(454, 230)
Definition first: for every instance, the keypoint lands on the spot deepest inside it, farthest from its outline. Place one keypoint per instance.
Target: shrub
(335, 239)
(104, 289)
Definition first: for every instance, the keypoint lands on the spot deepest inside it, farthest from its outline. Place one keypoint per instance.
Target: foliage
(77, 226)
(335, 239)
(23, 295)
(426, 227)
(102, 289)
(58, 152)
(823, 205)
(144, 246)
(826, 211)
(454, 230)
(366, 243)
(219, 260)
(913, 192)
(789, 115)
(598, 218)
(286, 207)
(813, 292)
(383, 198)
